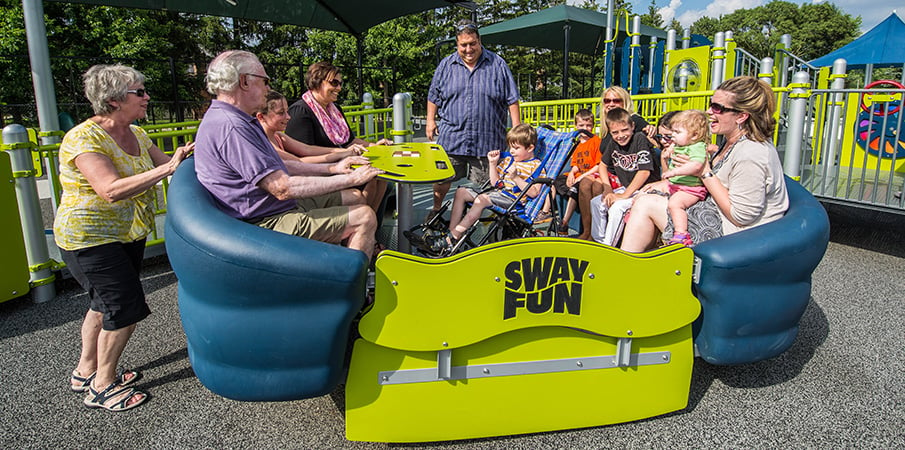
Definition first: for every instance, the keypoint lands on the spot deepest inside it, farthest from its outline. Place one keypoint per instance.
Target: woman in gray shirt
(744, 178)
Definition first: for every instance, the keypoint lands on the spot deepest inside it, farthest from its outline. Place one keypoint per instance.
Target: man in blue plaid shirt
(471, 92)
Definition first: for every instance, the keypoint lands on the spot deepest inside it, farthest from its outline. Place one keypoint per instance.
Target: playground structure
(408, 375)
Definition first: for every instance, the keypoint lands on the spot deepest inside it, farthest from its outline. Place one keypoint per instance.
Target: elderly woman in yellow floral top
(108, 170)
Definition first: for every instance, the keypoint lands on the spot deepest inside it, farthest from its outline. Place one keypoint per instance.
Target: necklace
(717, 163)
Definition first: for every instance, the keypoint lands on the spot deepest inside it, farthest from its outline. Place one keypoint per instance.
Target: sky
(687, 12)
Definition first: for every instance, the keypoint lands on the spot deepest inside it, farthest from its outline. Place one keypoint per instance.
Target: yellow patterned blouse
(84, 219)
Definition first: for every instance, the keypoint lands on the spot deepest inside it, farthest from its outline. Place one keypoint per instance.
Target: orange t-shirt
(587, 155)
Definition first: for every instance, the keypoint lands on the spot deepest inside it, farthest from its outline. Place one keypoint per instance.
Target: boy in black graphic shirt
(631, 158)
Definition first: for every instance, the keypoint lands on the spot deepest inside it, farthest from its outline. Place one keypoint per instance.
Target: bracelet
(706, 175)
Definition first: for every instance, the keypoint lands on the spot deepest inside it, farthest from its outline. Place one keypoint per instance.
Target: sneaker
(543, 217)
(563, 229)
(439, 244)
(681, 238)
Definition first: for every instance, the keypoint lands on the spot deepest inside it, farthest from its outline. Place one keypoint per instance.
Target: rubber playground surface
(840, 385)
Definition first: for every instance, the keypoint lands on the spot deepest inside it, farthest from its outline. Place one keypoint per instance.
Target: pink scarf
(331, 119)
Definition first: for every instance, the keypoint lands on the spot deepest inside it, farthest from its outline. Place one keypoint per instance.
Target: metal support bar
(402, 132)
(718, 72)
(834, 138)
(30, 214)
(522, 368)
(797, 113)
(444, 364)
(623, 352)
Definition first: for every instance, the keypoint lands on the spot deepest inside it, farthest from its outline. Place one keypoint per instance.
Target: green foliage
(399, 55)
(816, 28)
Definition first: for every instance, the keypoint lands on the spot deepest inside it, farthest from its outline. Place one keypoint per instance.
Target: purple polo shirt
(232, 154)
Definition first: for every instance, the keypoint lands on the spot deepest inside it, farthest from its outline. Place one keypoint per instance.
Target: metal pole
(635, 50)
(786, 41)
(367, 102)
(798, 112)
(652, 58)
(766, 70)
(719, 60)
(42, 79)
(828, 159)
(686, 38)
(565, 65)
(39, 264)
(608, 45)
(359, 47)
(402, 132)
(670, 47)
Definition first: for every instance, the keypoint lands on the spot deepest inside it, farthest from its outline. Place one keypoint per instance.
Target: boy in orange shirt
(583, 181)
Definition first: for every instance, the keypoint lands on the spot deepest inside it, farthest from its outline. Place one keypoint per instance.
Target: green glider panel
(521, 336)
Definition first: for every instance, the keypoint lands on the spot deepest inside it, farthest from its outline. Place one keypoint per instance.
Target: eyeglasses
(263, 77)
(607, 101)
(335, 82)
(719, 109)
(139, 92)
(466, 26)
(663, 137)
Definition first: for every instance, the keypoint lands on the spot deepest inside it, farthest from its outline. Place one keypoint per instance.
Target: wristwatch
(706, 175)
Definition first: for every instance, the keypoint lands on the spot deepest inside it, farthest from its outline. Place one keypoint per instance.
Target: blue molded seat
(267, 316)
(755, 285)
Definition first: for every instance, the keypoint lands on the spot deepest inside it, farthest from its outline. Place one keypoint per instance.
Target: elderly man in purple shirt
(238, 165)
(472, 90)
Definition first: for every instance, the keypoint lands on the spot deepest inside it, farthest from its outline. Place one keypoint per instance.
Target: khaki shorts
(321, 218)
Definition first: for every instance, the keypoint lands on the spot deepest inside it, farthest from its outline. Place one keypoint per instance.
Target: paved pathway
(842, 384)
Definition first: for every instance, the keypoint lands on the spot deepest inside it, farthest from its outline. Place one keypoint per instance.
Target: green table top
(411, 162)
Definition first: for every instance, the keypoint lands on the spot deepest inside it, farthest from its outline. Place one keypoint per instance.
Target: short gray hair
(104, 83)
(224, 71)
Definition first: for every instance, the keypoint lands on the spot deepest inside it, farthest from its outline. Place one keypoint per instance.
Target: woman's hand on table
(345, 165)
(353, 150)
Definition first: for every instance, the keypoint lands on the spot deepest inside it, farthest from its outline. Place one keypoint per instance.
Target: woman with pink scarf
(316, 120)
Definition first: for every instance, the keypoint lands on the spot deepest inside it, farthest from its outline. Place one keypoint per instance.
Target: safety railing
(561, 113)
(853, 150)
(746, 63)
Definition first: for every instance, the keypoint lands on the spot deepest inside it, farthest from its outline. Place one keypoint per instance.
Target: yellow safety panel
(448, 351)
(524, 283)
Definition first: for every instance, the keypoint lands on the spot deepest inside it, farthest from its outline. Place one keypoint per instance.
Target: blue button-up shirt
(472, 105)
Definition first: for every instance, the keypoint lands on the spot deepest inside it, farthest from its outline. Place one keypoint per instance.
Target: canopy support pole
(567, 31)
(42, 78)
(360, 48)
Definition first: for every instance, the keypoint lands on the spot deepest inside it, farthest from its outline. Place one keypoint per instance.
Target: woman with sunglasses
(744, 177)
(109, 169)
(317, 120)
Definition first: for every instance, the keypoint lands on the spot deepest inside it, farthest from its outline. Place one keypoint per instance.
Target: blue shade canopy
(883, 45)
(350, 16)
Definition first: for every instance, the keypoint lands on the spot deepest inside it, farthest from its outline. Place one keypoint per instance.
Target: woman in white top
(744, 177)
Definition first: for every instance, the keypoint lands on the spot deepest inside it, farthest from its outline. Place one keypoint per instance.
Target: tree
(816, 28)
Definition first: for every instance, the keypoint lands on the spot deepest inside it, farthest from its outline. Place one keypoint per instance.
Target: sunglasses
(663, 137)
(466, 26)
(335, 82)
(265, 78)
(719, 109)
(607, 101)
(139, 92)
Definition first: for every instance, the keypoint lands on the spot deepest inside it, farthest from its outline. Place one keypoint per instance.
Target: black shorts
(110, 274)
(559, 183)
